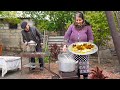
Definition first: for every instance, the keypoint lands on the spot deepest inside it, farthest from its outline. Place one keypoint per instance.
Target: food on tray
(83, 48)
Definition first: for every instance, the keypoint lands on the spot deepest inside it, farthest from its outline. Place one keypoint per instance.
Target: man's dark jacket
(37, 36)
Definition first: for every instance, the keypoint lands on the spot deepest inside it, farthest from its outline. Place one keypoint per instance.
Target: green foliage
(10, 17)
(116, 15)
(99, 25)
(42, 25)
(51, 20)
(12, 20)
(60, 20)
(46, 59)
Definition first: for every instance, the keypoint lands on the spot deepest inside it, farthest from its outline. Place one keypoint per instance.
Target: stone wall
(11, 39)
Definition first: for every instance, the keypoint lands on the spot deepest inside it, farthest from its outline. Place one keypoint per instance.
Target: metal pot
(66, 63)
(31, 47)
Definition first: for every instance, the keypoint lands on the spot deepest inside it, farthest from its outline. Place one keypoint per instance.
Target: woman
(79, 31)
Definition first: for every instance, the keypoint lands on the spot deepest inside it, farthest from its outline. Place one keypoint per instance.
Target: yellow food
(82, 48)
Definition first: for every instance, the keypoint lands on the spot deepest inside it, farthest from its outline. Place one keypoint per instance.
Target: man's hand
(26, 43)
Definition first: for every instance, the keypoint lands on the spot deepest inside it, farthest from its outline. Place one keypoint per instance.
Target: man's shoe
(85, 77)
(41, 68)
(33, 69)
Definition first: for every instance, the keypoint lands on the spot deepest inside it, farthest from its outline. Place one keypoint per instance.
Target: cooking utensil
(66, 63)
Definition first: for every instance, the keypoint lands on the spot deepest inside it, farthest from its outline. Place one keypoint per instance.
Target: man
(31, 33)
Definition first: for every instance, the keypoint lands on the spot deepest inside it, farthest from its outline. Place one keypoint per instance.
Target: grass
(46, 60)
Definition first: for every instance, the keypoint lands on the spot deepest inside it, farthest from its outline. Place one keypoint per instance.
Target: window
(13, 26)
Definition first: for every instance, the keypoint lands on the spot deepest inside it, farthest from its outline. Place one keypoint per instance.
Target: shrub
(97, 74)
(54, 51)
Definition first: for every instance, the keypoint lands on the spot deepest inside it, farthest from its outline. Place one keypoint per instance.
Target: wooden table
(30, 55)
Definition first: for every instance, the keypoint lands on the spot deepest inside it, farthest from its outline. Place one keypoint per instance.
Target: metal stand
(29, 55)
(68, 75)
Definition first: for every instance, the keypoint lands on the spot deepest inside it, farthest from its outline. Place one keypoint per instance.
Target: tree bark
(114, 33)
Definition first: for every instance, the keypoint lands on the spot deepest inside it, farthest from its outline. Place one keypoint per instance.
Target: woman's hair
(80, 15)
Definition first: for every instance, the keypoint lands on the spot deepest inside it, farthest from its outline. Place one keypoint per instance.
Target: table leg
(30, 65)
(49, 62)
(21, 65)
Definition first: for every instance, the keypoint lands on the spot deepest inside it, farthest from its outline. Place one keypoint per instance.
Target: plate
(75, 48)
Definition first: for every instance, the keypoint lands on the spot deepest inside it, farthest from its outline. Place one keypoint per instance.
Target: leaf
(55, 50)
(97, 74)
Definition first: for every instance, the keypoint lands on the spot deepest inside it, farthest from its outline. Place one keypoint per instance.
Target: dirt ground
(109, 68)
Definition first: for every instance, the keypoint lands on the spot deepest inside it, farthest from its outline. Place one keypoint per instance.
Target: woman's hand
(91, 41)
(64, 49)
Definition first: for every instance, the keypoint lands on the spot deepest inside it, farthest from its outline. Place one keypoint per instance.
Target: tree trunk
(62, 31)
(114, 33)
(98, 57)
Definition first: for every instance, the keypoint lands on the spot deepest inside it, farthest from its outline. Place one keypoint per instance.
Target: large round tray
(95, 49)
